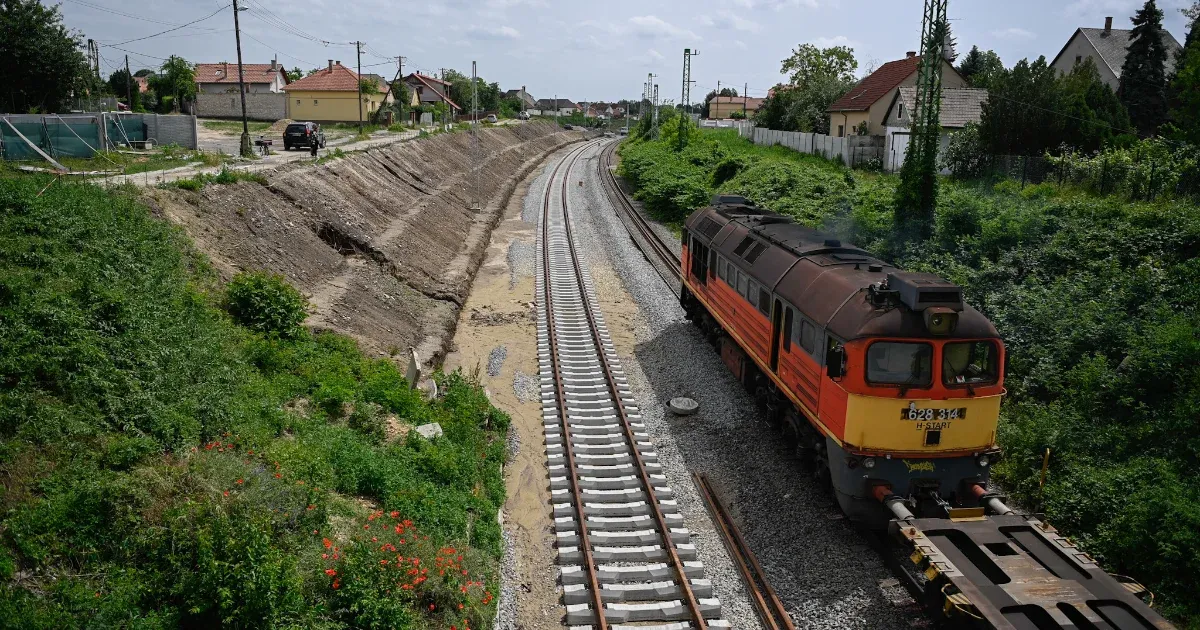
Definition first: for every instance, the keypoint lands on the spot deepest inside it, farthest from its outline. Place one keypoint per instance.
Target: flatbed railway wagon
(890, 386)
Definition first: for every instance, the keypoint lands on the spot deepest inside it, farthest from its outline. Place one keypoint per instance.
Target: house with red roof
(331, 95)
(869, 100)
(222, 78)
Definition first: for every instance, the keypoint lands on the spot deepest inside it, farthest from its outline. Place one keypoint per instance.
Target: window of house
(297, 101)
(1078, 59)
(902, 110)
(841, 131)
(315, 101)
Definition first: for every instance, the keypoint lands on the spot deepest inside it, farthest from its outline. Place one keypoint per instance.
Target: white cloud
(740, 44)
(655, 55)
(830, 42)
(705, 20)
(777, 5)
(1013, 33)
(731, 20)
(504, 4)
(493, 32)
(652, 26)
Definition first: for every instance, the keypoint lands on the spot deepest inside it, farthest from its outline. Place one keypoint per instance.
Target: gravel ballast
(822, 569)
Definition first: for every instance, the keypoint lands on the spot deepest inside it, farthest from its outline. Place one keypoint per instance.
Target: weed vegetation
(225, 177)
(181, 453)
(1096, 298)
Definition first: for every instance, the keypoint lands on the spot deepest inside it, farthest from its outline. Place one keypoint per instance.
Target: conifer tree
(1144, 75)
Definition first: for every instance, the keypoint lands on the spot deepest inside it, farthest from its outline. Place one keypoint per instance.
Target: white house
(1107, 47)
(959, 107)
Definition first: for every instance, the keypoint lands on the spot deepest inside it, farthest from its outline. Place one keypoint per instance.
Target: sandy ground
(499, 313)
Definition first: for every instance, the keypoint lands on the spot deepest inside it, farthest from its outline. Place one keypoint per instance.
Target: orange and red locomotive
(889, 383)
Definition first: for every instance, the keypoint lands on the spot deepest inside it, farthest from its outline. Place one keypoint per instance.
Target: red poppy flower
(330, 572)
(325, 541)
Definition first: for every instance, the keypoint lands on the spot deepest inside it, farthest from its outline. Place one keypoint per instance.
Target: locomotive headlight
(940, 320)
(984, 461)
(868, 463)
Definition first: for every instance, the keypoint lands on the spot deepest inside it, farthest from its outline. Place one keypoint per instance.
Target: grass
(1094, 297)
(234, 127)
(166, 467)
(225, 177)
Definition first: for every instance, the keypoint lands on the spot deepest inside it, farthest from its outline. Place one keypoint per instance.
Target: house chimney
(275, 64)
(910, 54)
(224, 68)
(1108, 25)
(331, 65)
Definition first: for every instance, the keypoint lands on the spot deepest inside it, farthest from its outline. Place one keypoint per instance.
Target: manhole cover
(684, 406)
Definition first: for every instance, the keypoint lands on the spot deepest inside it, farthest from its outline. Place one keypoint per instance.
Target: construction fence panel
(15, 148)
(73, 138)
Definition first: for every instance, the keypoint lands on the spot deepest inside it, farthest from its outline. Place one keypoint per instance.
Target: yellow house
(331, 95)
(868, 101)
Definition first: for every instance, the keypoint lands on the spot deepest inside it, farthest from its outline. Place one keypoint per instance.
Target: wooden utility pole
(246, 149)
(358, 47)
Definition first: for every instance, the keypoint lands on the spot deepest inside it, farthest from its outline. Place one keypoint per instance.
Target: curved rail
(585, 343)
(650, 243)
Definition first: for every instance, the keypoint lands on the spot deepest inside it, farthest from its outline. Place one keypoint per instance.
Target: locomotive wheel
(821, 462)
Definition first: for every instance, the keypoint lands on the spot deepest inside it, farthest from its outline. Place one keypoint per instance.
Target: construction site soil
(385, 242)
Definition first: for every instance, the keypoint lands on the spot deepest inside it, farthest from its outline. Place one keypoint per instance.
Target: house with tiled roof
(869, 100)
(222, 78)
(431, 90)
(527, 100)
(331, 95)
(960, 106)
(723, 107)
(1107, 47)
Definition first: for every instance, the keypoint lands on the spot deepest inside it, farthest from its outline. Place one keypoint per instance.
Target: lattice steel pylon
(687, 96)
(916, 195)
(927, 118)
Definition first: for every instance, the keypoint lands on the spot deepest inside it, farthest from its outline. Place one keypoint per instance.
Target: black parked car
(300, 135)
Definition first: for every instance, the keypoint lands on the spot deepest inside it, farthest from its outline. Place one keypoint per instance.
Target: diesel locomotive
(889, 384)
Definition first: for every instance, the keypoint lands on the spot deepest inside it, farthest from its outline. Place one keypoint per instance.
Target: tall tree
(178, 79)
(1144, 75)
(980, 68)
(1185, 85)
(808, 64)
(42, 65)
(295, 74)
(1021, 115)
(1093, 115)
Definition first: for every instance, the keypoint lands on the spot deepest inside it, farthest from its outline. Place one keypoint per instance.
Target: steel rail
(684, 584)
(588, 561)
(770, 609)
(657, 247)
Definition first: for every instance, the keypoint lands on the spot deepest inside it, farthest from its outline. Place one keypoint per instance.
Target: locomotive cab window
(897, 363)
(970, 363)
(764, 302)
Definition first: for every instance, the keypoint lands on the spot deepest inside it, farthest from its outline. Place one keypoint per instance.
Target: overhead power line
(120, 13)
(130, 41)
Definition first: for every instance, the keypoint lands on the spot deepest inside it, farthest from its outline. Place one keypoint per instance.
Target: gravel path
(822, 569)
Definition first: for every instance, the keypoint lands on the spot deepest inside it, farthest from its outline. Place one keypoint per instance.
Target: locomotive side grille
(743, 246)
(755, 252)
(709, 228)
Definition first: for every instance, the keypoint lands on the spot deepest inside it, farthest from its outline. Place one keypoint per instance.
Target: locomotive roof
(824, 277)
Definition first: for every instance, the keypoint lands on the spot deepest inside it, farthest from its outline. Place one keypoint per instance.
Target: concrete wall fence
(81, 135)
(268, 107)
(851, 150)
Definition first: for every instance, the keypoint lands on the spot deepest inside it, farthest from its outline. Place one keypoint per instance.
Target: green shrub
(161, 468)
(266, 303)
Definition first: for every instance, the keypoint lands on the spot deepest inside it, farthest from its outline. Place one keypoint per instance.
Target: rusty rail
(770, 609)
(654, 246)
(692, 603)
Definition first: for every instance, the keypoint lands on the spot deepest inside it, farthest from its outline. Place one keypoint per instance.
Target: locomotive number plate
(925, 415)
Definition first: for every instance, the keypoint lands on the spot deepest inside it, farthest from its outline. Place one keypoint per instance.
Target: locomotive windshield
(970, 363)
(894, 363)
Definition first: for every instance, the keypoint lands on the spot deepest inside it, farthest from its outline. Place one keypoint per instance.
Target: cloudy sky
(580, 50)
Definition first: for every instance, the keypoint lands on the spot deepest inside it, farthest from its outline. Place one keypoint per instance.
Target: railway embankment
(1094, 296)
(384, 242)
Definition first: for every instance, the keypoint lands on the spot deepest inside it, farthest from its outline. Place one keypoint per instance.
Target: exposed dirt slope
(385, 242)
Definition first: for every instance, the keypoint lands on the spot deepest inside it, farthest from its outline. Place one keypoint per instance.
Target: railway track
(624, 555)
(660, 255)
